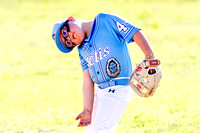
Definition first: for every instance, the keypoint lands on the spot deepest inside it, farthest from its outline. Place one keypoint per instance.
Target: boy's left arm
(147, 74)
(144, 45)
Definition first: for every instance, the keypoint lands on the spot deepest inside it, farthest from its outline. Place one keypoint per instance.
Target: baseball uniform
(105, 54)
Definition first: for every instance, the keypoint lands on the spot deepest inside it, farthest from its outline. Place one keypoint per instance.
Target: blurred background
(40, 87)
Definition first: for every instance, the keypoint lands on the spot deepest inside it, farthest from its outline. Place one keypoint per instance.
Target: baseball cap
(56, 36)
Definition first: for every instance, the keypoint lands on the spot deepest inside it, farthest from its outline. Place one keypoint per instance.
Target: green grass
(40, 88)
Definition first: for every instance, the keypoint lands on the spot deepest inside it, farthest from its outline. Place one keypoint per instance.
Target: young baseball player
(105, 61)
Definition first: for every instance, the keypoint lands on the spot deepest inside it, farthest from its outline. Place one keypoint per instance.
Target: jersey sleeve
(83, 63)
(122, 27)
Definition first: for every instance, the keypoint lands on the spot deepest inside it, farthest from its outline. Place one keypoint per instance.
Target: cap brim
(59, 44)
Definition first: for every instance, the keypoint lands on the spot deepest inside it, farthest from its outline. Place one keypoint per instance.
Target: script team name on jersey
(98, 56)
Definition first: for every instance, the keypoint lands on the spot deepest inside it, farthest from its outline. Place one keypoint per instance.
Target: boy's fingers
(78, 117)
(83, 124)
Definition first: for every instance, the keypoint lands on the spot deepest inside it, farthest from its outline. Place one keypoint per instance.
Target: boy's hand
(85, 118)
(146, 77)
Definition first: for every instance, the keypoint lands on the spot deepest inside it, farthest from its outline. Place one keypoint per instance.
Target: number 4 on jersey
(121, 27)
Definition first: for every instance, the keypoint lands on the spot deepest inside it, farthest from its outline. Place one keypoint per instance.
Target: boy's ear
(70, 18)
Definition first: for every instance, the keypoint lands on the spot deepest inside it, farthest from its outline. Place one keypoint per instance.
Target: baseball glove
(146, 77)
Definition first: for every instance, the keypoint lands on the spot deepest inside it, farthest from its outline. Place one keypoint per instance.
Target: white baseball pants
(109, 106)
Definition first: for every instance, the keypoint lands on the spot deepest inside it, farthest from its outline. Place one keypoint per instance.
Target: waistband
(114, 82)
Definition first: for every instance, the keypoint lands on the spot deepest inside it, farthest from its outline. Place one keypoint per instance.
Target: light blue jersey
(105, 51)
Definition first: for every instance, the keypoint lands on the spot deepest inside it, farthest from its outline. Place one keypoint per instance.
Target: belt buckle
(104, 85)
(112, 82)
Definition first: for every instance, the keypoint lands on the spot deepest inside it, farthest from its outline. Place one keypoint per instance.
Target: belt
(114, 82)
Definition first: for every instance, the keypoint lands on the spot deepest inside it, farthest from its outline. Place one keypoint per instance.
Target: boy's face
(72, 35)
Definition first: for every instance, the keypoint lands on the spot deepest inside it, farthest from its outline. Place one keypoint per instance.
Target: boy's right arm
(88, 98)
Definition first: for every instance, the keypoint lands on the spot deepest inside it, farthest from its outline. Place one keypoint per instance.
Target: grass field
(40, 87)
